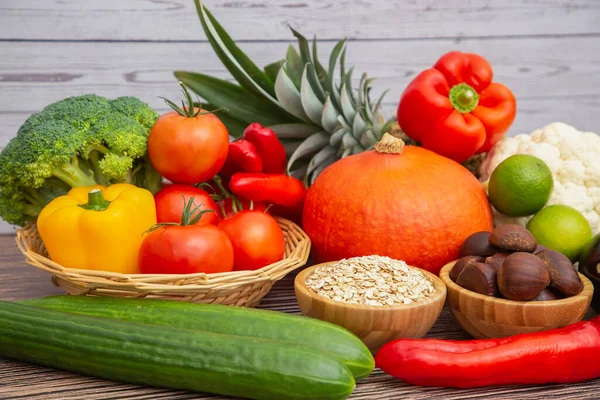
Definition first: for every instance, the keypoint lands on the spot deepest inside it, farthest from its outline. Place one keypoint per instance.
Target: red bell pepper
(284, 192)
(454, 108)
(269, 148)
(241, 156)
(562, 355)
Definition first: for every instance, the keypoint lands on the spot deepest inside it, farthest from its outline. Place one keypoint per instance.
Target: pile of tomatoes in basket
(217, 214)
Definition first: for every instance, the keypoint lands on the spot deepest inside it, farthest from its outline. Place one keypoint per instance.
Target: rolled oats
(371, 280)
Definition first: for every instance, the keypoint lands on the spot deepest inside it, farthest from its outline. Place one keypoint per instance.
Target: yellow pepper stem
(96, 201)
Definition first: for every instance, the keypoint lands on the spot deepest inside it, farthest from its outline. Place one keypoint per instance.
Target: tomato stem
(219, 182)
(188, 111)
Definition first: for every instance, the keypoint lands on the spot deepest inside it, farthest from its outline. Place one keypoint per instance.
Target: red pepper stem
(464, 98)
(96, 201)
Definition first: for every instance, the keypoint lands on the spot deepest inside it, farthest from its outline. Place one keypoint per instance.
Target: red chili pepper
(269, 148)
(278, 189)
(562, 355)
(241, 156)
(454, 108)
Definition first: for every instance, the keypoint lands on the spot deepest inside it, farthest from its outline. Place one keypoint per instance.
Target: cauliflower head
(573, 157)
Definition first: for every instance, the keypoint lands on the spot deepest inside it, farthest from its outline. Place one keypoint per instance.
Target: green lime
(561, 228)
(520, 185)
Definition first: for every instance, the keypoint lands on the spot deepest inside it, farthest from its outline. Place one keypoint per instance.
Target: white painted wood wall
(546, 51)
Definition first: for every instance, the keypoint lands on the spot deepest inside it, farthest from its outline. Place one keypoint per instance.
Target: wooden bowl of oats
(377, 298)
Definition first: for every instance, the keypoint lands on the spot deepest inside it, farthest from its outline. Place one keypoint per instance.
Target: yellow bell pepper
(98, 228)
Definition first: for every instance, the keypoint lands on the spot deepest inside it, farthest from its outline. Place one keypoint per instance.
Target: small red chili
(284, 191)
(241, 156)
(268, 147)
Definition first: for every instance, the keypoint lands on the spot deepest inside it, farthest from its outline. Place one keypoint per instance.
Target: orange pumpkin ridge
(415, 206)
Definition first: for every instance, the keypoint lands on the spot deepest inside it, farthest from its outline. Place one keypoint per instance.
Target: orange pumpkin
(404, 202)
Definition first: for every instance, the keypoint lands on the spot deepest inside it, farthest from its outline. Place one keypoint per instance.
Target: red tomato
(186, 250)
(170, 204)
(256, 237)
(188, 149)
(227, 205)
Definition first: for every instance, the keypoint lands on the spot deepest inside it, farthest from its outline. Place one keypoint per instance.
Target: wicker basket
(239, 288)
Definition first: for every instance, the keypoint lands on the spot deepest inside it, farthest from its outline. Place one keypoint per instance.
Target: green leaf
(321, 73)
(315, 83)
(329, 118)
(235, 127)
(318, 159)
(252, 78)
(348, 82)
(349, 141)
(335, 53)
(313, 107)
(288, 95)
(336, 139)
(290, 147)
(304, 48)
(294, 67)
(343, 65)
(272, 69)
(309, 147)
(347, 106)
(358, 126)
(239, 103)
(295, 131)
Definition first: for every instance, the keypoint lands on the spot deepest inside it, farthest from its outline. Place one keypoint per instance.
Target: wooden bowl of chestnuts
(505, 284)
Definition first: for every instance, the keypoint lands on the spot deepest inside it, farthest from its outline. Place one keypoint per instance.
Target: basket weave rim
(297, 248)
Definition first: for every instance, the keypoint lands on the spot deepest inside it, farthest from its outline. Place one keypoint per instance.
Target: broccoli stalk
(72, 174)
(78, 141)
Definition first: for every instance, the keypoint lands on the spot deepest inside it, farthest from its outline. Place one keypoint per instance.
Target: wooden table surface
(25, 381)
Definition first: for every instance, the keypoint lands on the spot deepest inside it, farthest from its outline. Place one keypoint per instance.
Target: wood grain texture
(549, 77)
(26, 381)
(374, 325)
(269, 20)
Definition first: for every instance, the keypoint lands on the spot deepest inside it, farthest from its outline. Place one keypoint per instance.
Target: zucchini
(168, 357)
(230, 320)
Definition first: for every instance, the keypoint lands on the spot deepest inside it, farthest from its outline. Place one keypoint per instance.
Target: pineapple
(318, 119)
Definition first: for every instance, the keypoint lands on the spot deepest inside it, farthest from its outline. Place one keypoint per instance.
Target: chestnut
(496, 260)
(461, 264)
(513, 238)
(589, 260)
(477, 244)
(563, 276)
(478, 277)
(546, 295)
(522, 276)
(540, 247)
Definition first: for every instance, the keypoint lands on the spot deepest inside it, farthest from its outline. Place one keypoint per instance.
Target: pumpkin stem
(389, 145)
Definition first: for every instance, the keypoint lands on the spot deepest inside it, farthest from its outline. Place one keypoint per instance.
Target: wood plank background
(25, 381)
(546, 51)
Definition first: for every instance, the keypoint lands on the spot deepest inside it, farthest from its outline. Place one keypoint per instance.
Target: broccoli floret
(133, 107)
(47, 150)
(78, 141)
(81, 112)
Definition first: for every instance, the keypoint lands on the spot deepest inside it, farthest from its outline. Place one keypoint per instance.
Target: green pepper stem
(464, 98)
(96, 201)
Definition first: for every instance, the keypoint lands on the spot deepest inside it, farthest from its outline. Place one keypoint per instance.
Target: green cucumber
(230, 320)
(168, 357)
